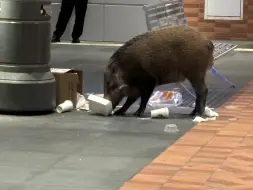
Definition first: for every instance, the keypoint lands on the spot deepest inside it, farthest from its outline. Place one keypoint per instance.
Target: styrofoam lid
(98, 99)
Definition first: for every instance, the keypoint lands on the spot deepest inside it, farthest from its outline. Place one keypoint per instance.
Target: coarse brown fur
(159, 57)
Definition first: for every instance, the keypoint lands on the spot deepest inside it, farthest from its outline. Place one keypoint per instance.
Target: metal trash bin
(26, 83)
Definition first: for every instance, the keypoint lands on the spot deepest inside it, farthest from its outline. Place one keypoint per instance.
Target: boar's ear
(123, 88)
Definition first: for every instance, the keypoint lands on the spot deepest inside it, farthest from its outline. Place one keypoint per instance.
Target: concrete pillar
(26, 83)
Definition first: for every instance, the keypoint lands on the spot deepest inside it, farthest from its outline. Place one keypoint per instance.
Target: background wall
(108, 20)
(225, 30)
(119, 20)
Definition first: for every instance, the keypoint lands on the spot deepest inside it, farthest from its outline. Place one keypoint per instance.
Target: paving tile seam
(201, 148)
(222, 107)
(45, 169)
(192, 156)
(239, 112)
(222, 163)
(181, 167)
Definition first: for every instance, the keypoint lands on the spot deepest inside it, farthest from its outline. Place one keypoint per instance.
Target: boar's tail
(210, 47)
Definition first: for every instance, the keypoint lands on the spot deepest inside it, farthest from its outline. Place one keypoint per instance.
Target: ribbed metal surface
(14, 9)
(26, 82)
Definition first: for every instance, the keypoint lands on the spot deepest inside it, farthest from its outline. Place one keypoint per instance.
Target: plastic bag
(82, 103)
(166, 98)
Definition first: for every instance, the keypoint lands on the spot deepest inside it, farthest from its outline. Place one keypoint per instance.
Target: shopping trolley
(170, 13)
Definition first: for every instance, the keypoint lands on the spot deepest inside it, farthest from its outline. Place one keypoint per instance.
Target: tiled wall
(223, 30)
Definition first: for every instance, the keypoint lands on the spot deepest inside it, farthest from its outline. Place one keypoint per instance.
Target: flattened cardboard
(68, 84)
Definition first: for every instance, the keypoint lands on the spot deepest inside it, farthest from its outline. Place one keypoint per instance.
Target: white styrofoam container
(99, 105)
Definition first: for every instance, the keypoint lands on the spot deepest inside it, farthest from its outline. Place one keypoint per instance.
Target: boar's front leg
(127, 104)
(143, 105)
(201, 96)
(146, 91)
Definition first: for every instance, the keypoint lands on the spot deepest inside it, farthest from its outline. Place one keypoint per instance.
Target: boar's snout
(114, 85)
(114, 93)
(110, 89)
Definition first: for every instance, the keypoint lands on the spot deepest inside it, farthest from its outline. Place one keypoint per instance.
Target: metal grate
(217, 94)
(222, 48)
(170, 13)
(164, 14)
(216, 97)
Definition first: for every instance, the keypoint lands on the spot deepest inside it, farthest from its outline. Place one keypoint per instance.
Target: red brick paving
(215, 155)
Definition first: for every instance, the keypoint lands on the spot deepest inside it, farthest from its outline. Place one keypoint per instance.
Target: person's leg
(80, 9)
(42, 10)
(66, 10)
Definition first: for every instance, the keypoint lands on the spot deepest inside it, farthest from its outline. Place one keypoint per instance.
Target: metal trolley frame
(170, 13)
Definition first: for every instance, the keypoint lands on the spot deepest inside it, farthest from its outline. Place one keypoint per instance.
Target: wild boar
(168, 55)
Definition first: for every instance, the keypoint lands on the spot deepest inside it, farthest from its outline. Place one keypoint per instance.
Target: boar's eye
(114, 70)
(111, 85)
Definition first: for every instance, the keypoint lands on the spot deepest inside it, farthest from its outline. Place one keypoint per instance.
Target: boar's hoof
(119, 112)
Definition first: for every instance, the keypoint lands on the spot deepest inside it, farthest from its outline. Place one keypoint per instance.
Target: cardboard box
(68, 84)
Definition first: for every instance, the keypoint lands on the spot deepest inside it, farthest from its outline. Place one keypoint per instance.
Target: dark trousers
(67, 7)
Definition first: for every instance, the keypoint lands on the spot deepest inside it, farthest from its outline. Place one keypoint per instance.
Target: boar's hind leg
(124, 108)
(146, 91)
(201, 95)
